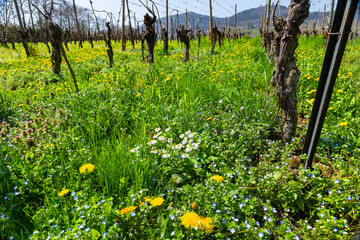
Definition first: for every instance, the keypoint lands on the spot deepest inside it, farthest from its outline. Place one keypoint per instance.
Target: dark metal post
(340, 30)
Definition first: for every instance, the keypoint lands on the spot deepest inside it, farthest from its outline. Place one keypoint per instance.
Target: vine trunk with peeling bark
(184, 38)
(286, 73)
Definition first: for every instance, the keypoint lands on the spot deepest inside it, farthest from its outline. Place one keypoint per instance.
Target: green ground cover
(178, 151)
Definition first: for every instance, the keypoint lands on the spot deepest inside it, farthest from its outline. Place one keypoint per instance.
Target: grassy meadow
(176, 151)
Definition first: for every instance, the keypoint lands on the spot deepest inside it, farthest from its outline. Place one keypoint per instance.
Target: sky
(221, 8)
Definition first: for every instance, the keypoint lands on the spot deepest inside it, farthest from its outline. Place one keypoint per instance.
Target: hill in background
(252, 18)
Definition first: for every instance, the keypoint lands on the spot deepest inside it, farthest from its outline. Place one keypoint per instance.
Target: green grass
(223, 103)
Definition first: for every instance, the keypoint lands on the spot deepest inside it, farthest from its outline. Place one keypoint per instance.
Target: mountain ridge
(251, 16)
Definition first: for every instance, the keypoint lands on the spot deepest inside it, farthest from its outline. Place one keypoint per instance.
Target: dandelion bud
(194, 206)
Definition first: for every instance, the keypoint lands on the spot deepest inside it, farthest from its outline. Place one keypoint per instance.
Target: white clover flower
(184, 155)
(154, 151)
(152, 142)
(179, 146)
(166, 155)
(197, 165)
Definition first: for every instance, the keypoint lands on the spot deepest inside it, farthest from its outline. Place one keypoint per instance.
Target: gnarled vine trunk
(286, 73)
(184, 38)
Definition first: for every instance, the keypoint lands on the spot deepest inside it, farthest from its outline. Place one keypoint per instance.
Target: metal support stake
(344, 16)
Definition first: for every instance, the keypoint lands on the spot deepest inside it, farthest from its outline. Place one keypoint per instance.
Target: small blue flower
(213, 204)
(339, 191)
(81, 226)
(348, 198)
(241, 205)
(330, 192)
(87, 229)
(274, 210)
(269, 219)
(76, 198)
(172, 233)
(232, 230)
(322, 215)
(343, 232)
(265, 209)
(297, 237)
(133, 214)
(104, 235)
(260, 234)
(172, 217)
(335, 230)
(336, 181)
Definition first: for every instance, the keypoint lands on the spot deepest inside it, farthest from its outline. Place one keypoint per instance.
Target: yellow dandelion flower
(138, 95)
(331, 108)
(156, 202)
(21, 105)
(128, 210)
(63, 192)
(343, 123)
(87, 167)
(217, 178)
(147, 199)
(190, 220)
(205, 225)
(209, 118)
(340, 91)
(312, 100)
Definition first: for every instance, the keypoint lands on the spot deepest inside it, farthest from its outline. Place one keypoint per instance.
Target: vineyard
(185, 143)
(157, 141)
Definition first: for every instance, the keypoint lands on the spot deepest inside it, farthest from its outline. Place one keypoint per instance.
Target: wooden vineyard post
(340, 30)
(186, 20)
(123, 47)
(234, 37)
(210, 29)
(166, 34)
(323, 22)
(198, 35)
(77, 25)
(331, 14)
(131, 30)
